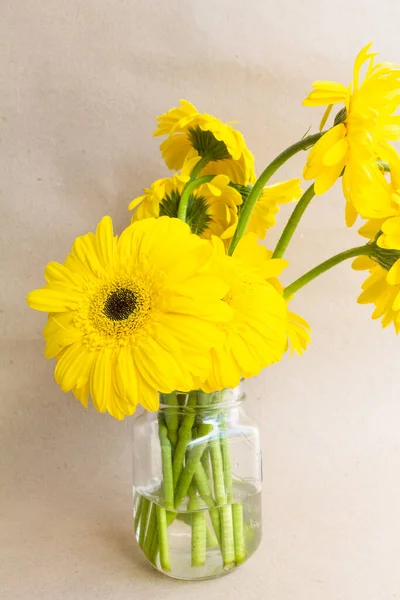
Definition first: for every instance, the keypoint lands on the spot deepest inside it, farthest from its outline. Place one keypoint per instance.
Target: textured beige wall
(81, 83)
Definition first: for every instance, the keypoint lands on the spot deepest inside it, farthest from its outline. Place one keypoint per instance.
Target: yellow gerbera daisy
(191, 133)
(382, 287)
(134, 315)
(359, 137)
(267, 206)
(212, 208)
(257, 334)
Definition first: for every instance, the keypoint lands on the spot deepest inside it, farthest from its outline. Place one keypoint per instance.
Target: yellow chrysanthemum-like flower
(134, 315)
(382, 287)
(359, 137)
(212, 208)
(191, 133)
(267, 206)
(257, 334)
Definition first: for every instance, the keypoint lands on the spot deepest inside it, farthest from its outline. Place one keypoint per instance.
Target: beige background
(81, 83)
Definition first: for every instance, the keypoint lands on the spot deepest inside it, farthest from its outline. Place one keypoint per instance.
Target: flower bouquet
(186, 302)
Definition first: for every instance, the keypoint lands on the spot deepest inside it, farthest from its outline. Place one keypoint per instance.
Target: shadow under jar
(197, 484)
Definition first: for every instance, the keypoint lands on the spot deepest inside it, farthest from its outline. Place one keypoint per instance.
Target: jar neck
(199, 401)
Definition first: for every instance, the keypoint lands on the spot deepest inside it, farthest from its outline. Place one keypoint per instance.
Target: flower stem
(325, 266)
(166, 459)
(143, 520)
(151, 532)
(198, 528)
(237, 508)
(226, 461)
(172, 417)
(211, 538)
(294, 220)
(184, 437)
(203, 485)
(227, 541)
(238, 532)
(265, 176)
(138, 513)
(191, 185)
(163, 538)
(187, 473)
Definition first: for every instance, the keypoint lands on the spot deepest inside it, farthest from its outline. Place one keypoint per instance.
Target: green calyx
(197, 216)
(206, 145)
(384, 257)
(340, 117)
(244, 191)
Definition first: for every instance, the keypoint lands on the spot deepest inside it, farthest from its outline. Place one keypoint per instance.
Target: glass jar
(197, 484)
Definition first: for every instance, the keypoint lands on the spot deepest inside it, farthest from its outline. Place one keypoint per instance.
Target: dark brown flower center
(120, 304)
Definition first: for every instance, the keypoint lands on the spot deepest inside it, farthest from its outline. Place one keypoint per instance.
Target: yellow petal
(327, 178)
(105, 243)
(82, 394)
(396, 302)
(393, 276)
(73, 367)
(135, 202)
(361, 263)
(49, 300)
(336, 153)
(101, 389)
(149, 397)
(126, 377)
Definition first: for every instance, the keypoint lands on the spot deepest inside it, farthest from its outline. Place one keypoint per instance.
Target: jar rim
(220, 400)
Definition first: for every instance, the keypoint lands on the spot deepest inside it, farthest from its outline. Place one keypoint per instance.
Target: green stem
(203, 485)
(187, 473)
(191, 185)
(143, 520)
(237, 508)
(205, 461)
(227, 541)
(138, 512)
(226, 461)
(151, 532)
(265, 176)
(163, 538)
(294, 220)
(153, 552)
(184, 437)
(238, 532)
(325, 266)
(166, 459)
(211, 538)
(172, 417)
(198, 529)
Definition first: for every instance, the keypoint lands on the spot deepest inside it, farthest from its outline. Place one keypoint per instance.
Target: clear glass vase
(197, 484)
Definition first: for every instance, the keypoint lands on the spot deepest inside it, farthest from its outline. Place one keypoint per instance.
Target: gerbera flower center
(120, 304)
(119, 310)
